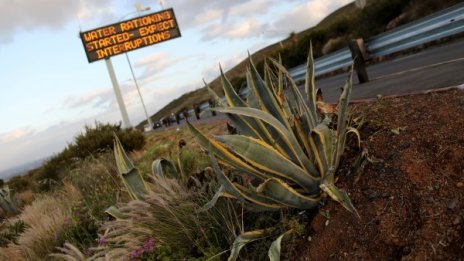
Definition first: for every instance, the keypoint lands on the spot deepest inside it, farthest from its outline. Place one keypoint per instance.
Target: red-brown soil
(411, 202)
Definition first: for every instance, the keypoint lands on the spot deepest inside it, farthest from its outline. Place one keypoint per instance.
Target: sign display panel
(121, 37)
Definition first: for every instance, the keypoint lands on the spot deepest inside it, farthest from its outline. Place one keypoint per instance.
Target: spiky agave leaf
(321, 140)
(281, 192)
(164, 168)
(115, 213)
(130, 175)
(340, 196)
(310, 85)
(283, 134)
(302, 107)
(264, 157)
(247, 237)
(274, 250)
(241, 193)
(342, 116)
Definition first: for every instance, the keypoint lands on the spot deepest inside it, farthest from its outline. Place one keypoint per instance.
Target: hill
(329, 35)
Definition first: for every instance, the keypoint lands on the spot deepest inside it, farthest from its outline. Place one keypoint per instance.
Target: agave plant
(292, 148)
(7, 202)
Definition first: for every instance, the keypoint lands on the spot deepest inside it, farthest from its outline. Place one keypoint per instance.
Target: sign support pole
(140, 94)
(117, 91)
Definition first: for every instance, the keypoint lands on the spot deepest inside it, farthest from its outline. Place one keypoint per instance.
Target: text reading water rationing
(129, 35)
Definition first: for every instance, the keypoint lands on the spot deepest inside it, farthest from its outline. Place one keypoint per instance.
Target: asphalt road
(435, 67)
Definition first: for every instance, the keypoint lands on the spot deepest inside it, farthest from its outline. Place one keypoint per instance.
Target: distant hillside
(331, 34)
(22, 169)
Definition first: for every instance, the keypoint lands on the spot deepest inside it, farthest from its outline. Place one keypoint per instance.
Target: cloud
(212, 72)
(192, 10)
(208, 16)
(205, 15)
(16, 134)
(302, 17)
(153, 68)
(31, 145)
(244, 29)
(252, 8)
(238, 21)
(21, 15)
(155, 64)
(98, 99)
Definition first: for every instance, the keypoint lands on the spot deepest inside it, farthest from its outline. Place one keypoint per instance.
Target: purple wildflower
(148, 246)
(66, 221)
(136, 253)
(102, 240)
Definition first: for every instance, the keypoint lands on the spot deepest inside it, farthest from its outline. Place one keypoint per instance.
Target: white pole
(117, 91)
(138, 90)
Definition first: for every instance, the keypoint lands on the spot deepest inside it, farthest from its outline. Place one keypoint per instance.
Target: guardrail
(324, 64)
(441, 24)
(444, 23)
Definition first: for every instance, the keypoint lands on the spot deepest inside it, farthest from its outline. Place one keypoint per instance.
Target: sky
(49, 91)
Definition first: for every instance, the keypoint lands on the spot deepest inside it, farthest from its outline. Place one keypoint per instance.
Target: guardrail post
(196, 109)
(212, 105)
(359, 57)
(186, 114)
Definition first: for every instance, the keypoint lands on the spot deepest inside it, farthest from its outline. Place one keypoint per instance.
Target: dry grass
(26, 197)
(168, 215)
(164, 143)
(334, 44)
(46, 217)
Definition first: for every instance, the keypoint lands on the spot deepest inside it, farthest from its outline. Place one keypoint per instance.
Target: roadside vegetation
(184, 208)
(211, 192)
(287, 176)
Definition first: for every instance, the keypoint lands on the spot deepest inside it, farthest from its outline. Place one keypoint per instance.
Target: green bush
(99, 188)
(9, 233)
(93, 141)
(374, 18)
(20, 183)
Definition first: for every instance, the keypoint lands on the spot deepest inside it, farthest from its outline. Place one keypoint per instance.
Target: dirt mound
(411, 201)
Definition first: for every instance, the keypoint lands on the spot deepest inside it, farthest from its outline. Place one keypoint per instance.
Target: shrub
(99, 187)
(164, 214)
(376, 15)
(26, 197)
(96, 180)
(93, 141)
(100, 138)
(335, 44)
(21, 183)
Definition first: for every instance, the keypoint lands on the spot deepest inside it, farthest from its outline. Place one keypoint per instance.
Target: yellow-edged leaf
(264, 157)
(284, 194)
